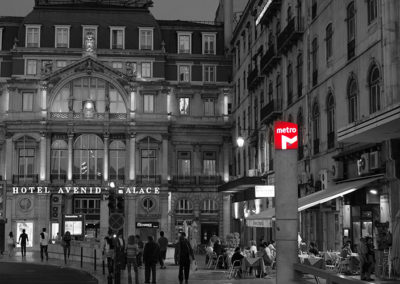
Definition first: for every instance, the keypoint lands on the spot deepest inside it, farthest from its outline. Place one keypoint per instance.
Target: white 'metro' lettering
(286, 130)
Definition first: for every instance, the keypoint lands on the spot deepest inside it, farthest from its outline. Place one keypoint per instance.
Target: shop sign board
(267, 223)
(147, 225)
(264, 191)
(286, 135)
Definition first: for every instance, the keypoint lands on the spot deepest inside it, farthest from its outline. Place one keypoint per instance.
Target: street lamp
(240, 141)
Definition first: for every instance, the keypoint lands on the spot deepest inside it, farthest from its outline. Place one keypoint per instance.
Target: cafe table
(315, 261)
(255, 263)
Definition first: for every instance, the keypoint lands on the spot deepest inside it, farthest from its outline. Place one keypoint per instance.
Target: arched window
(270, 92)
(184, 206)
(300, 75)
(352, 96)
(351, 30)
(289, 79)
(88, 157)
(300, 126)
(74, 95)
(289, 14)
(328, 41)
(209, 206)
(117, 160)
(316, 127)
(374, 90)
(278, 104)
(330, 108)
(59, 160)
(314, 59)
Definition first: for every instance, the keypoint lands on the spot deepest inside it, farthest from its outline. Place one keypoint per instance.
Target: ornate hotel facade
(100, 94)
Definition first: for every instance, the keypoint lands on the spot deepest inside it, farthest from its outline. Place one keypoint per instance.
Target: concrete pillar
(43, 213)
(130, 214)
(228, 20)
(70, 142)
(132, 159)
(226, 214)
(197, 161)
(226, 150)
(104, 214)
(164, 225)
(105, 160)
(8, 160)
(43, 160)
(286, 214)
(164, 171)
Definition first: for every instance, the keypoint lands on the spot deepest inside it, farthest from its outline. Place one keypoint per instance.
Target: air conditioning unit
(363, 164)
(56, 199)
(323, 177)
(374, 160)
(253, 172)
(336, 171)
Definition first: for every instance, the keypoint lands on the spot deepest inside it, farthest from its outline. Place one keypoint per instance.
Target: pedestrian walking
(108, 252)
(11, 244)
(140, 254)
(44, 242)
(120, 250)
(151, 254)
(163, 243)
(23, 239)
(132, 250)
(66, 244)
(185, 256)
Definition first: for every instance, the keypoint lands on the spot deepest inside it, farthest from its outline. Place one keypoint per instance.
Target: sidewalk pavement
(164, 276)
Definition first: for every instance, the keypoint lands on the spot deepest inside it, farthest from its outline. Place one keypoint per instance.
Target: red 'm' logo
(286, 135)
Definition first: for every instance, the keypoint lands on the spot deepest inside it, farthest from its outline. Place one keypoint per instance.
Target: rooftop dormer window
(32, 36)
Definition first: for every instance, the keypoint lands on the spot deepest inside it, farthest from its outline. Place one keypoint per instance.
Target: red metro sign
(286, 135)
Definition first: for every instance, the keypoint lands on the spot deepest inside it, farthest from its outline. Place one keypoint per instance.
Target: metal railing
(29, 178)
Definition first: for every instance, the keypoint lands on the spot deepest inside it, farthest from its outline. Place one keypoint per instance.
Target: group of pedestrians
(22, 241)
(134, 253)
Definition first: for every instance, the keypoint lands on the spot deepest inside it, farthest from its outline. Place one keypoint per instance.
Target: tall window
(184, 73)
(314, 58)
(89, 29)
(300, 75)
(184, 106)
(184, 163)
(26, 158)
(146, 39)
(146, 69)
(351, 30)
(278, 105)
(352, 96)
(209, 163)
(1, 38)
(209, 43)
(184, 43)
(270, 92)
(289, 14)
(184, 206)
(117, 37)
(62, 36)
(117, 160)
(328, 39)
(209, 207)
(88, 157)
(59, 160)
(374, 90)
(372, 10)
(313, 9)
(209, 106)
(148, 159)
(209, 73)
(316, 129)
(27, 101)
(331, 120)
(32, 37)
(148, 103)
(31, 67)
(289, 83)
(300, 125)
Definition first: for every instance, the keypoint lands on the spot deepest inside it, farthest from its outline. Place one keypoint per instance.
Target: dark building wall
(9, 34)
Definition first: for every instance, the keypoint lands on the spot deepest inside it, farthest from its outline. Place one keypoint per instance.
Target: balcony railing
(184, 211)
(351, 49)
(148, 179)
(253, 79)
(274, 7)
(316, 146)
(184, 179)
(269, 60)
(79, 115)
(58, 178)
(331, 140)
(31, 178)
(88, 179)
(115, 177)
(271, 111)
(212, 180)
(291, 34)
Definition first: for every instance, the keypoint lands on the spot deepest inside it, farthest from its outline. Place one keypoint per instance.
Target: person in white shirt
(44, 242)
(253, 248)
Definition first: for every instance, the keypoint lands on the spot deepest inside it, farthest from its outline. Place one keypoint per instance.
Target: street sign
(286, 135)
(116, 221)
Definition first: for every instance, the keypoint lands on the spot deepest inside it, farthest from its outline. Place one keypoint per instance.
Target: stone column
(163, 199)
(105, 160)
(43, 213)
(132, 157)
(226, 214)
(104, 214)
(42, 173)
(8, 159)
(165, 172)
(286, 214)
(70, 141)
(226, 148)
(130, 214)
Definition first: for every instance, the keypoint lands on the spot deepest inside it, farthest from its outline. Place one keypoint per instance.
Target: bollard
(81, 257)
(95, 260)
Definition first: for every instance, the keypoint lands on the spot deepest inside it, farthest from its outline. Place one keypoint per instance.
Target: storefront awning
(334, 192)
(262, 219)
(241, 184)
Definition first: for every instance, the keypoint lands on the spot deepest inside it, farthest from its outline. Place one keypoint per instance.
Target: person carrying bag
(186, 258)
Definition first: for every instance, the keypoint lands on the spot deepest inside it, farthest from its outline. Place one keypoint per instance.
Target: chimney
(228, 20)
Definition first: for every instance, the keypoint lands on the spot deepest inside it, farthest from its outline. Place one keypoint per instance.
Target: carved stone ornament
(90, 46)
